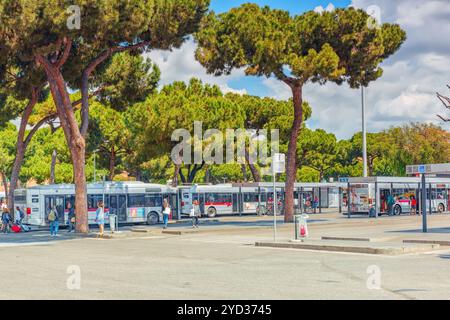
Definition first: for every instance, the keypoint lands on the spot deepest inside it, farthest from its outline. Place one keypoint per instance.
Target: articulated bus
(132, 202)
(256, 198)
(373, 192)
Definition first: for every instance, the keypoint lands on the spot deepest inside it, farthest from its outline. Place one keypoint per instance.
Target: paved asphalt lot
(225, 264)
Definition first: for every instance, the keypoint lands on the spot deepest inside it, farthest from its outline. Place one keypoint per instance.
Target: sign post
(278, 166)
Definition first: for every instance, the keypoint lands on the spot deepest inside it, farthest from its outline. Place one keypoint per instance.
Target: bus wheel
(152, 218)
(261, 210)
(211, 212)
(397, 210)
(440, 208)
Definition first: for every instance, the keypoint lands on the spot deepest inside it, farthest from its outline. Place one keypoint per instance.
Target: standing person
(315, 203)
(100, 217)
(53, 219)
(71, 217)
(195, 214)
(166, 212)
(413, 205)
(6, 218)
(20, 215)
(4, 204)
(390, 204)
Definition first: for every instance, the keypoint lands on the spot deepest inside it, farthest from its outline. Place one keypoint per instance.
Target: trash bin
(301, 226)
(112, 222)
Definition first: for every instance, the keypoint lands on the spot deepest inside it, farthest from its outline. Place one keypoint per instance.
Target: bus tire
(261, 210)
(397, 210)
(211, 212)
(440, 208)
(152, 218)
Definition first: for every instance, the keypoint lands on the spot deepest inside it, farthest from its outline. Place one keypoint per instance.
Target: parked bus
(132, 202)
(255, 198)
(373, 192)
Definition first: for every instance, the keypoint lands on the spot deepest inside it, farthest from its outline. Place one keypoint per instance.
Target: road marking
(27, 244)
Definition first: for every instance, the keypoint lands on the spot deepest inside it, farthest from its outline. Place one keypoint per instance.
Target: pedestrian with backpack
(52, 218)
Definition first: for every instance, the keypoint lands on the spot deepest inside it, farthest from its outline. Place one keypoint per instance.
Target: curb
(346, 239)
(352, 249)
(438, 242)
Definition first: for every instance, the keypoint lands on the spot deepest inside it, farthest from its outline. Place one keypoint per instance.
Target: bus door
(118, 206)
(58, 203)
(173, 204)
(236, 203)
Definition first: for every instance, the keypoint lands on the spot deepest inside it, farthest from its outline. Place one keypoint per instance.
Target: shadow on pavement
(430, 230)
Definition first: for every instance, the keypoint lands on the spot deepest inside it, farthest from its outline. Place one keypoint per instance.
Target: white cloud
(180, 65)
(320, 9)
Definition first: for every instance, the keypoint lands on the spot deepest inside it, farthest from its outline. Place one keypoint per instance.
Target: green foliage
(336, 46)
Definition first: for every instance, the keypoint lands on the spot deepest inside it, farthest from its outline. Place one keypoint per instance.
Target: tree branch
(87, 73)
(65, 55)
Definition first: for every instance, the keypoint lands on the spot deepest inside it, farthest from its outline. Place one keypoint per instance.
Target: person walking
(195, 213)
(413, 203)
(390, 204)
(6, 219)
(20, 215)
(100, 217)
(166, 212)
(53, 219)
(71, 217)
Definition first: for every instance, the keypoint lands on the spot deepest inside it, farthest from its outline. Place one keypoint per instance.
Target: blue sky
(293, 6)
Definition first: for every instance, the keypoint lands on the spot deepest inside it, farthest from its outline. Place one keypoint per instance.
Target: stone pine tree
(338, 46)
(68, 44)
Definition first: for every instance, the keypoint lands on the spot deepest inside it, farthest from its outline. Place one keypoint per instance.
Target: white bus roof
(107, 186)
(398, 180)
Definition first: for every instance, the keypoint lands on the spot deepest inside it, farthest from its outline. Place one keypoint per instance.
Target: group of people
(7, 220)
(54, 216)
(391, 200)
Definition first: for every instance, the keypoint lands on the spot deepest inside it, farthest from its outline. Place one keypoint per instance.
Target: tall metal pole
(274, 208)
(95, 156)
(364, 141)
(423, 204)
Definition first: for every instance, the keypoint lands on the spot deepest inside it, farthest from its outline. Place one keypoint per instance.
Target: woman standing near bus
(100, 217)
(166, 212)
(413, 205)
(195, 214)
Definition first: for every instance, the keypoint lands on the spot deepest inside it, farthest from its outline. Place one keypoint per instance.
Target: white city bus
(365, 193)
(253, 198)
(132, 202)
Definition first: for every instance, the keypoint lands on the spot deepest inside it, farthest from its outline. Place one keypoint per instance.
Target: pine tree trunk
(21, 145)
(112, 164)
(5, 184)
(75, 141)
(292, 150)
(244, 172)
(255, 173)
(52, 166)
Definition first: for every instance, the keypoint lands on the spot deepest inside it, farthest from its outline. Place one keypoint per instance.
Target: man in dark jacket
(71, 217)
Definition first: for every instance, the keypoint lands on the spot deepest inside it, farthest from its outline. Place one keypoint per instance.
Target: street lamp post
(364, 134)
(95, 165)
